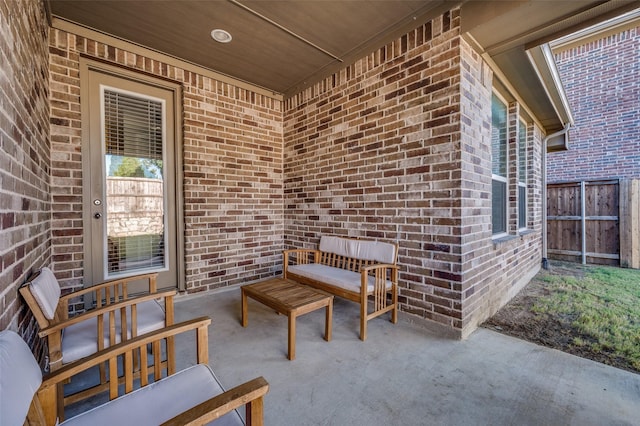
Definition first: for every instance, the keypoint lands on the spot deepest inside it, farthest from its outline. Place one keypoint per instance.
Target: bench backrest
(369, 251)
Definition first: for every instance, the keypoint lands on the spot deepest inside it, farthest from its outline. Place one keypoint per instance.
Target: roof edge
(544, 64)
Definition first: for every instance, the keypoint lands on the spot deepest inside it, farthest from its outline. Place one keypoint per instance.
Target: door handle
(97, 215)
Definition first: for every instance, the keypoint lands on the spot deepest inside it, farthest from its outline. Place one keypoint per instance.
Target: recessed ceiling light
(221, 36)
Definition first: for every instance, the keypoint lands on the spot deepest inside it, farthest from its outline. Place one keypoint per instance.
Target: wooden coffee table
(288, 298)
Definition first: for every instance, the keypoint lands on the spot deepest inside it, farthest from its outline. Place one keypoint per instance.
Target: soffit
(285, 46)
(282, 46)
(503, 31)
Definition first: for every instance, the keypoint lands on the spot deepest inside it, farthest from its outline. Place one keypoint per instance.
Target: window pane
(522, 206)
(522, 152)
(134, 183)
(498, 137)
(498, 204)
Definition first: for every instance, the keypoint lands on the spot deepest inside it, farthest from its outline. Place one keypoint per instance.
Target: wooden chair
(117, 316)
(192, 396)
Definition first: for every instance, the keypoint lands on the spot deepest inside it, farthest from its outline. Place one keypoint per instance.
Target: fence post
(583, 220)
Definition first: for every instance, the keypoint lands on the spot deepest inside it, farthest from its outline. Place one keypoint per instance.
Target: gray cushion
(337, 277)
(159, 402)
(20, 378)
(359, 249)
(46, 290)
(80, 340)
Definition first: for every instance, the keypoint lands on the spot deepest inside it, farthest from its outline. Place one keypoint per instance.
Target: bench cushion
(80, 340)
(46, 290)
(20, 378)
(347, 280)
(159, 401)
(359, 249)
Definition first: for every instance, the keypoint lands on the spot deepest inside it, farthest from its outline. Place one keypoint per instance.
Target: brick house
(433, 140)
(599, 70)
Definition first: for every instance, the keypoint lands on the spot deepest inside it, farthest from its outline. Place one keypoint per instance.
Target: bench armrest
(367, 269)
(298, 257)
(250, 394)
(380, 272)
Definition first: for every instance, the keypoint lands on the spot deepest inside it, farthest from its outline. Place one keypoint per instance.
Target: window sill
(504, 239)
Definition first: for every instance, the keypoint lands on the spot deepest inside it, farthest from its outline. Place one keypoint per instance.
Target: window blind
(133, 126)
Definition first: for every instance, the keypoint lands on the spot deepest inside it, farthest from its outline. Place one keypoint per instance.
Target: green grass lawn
(603, 306)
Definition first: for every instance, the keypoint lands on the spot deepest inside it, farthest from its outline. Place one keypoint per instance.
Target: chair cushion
(46, 290)
(359, 249)
(347, 280)
(160, 401)
(80, 340)
(20, 378)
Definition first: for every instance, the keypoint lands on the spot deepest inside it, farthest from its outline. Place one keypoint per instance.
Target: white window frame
(523, 184)
(499, 178)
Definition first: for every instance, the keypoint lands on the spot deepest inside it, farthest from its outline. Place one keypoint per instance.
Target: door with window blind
(131, 200)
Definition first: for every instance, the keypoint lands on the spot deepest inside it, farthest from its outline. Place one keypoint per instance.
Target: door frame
(88, 65)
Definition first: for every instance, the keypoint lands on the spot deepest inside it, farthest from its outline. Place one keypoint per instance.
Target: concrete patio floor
(403, 374)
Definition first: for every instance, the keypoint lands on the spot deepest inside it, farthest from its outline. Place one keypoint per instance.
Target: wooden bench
(191, 396)
(362, 271)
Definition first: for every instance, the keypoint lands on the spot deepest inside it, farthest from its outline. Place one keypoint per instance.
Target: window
(498, 166)
(522, 175)
(134, 196)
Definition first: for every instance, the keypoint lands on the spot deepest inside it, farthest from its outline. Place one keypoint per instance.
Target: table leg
(245, 311)
(328, 320)
(292, 336)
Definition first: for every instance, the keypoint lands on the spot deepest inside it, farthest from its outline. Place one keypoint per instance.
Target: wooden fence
(595, 222)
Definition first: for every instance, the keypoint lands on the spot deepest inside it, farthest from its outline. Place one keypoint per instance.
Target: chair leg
(363, 321)
(60, 401)
(394, 300)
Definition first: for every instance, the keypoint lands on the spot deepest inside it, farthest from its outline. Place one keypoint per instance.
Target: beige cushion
(337, 277)
(80, 340)
(159, 402)
(46, 290)
(20, 378)
(359, 249)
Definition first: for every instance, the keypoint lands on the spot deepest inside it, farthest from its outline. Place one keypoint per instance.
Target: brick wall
(397, 147)
(24, 158)
(494, 270)
(603, 88)
(232, 169)
(373, 152)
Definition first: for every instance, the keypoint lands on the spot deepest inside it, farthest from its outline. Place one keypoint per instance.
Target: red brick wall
(233, 185)
(232, 170)
(493, 270)
(397, 147)
(603, 88)
(24, 158)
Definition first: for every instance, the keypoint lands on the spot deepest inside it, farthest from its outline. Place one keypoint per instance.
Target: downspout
(545, 260)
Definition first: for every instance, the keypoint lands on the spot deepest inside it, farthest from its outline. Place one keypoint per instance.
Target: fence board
(566, 212)
(630, 223)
